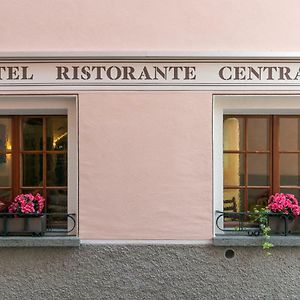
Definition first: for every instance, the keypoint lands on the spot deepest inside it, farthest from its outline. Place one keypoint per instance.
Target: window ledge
(18, 241)
(250, 241)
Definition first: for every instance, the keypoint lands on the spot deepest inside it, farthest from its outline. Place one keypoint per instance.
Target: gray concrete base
(246, 241)
(22, 241)
(149, 272)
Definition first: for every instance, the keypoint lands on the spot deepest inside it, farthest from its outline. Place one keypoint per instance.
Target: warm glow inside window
(33, 158)
(261, 157)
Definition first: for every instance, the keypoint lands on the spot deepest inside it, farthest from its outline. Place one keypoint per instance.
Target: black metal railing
(37, 224)
(248, 222)
(66, 225)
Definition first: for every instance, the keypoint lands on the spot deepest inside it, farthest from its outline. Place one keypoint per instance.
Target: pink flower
(27, 203)
(284, 203)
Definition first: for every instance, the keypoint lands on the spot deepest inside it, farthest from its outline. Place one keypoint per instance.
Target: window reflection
(57, 203)
(5, 138)
(258, 134)
(57, 135)
(32, 170)
(56, 170)
(234, 169)
(289, 134)
(245, 139)
(233, 163)
(6, 171)
(33, 133)
(233, 134)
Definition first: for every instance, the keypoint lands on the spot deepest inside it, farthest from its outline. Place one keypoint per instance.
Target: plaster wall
(145, 165)
(112, 25)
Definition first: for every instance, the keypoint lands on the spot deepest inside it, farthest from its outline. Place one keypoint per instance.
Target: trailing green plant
(262, 219)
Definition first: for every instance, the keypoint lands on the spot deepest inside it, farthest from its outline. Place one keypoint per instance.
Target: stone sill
(24, 241)
(251, 241)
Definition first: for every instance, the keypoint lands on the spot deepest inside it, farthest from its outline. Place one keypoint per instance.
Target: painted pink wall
(145, 165)
(217, 25)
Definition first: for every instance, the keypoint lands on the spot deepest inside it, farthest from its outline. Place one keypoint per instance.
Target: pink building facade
(146, 89)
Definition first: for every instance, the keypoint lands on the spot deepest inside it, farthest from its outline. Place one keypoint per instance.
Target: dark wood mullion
(289, 152)
(16, 159)
(246, 164)
(249, 152)
(47, 187)
(271, 154)
(276, 156)
(56, 187)
(31, 152)
(249, 186)
(44, 161)
(296, 187)
(41, 151)
(286, 152)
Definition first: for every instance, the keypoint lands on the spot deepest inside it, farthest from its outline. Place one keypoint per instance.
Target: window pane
(33, 191)
(5, 135)
(32, 169)
(234, 169)
(5, 198)
(57, 203)
(257, 198)
(258, 134)
(289, 134)
(289, 169)
(32, 133)
(295, 192)
(233, 200)
(57, 135)
(258, 169)
(5, 170)
(233, 134)
(56, 170)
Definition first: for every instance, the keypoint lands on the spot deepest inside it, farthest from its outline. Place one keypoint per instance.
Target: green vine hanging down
(265, 229)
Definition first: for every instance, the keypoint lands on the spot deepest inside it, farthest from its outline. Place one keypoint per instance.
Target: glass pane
(258, 169)
(234, 173)
(32, 169)
(57, 133)
(233, 200)
(289, 169)
(257, 198)
(5, 198)
(57, 203)
(56, 170)
(289, 134)
(32, 133)
(233, 134)
(5, 135)
(5, 170)
(295, 192)
(33, 191)
(258, 134)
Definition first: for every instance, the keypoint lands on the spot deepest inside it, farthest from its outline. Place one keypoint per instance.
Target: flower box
(23, 225)
(284, 225)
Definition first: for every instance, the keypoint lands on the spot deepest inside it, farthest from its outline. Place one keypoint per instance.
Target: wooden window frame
(17, 152)
(274, 151)
(28, 104)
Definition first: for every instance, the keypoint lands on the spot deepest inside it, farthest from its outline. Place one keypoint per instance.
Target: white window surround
(241, 104)
(51, 105)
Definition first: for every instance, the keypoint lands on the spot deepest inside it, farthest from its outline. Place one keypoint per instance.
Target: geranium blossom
(284, 203)
(27, 204)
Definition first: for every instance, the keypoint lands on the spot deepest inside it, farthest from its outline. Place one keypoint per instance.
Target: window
(39, 153)
(33, 159)
(280, 115)
(261, 157)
